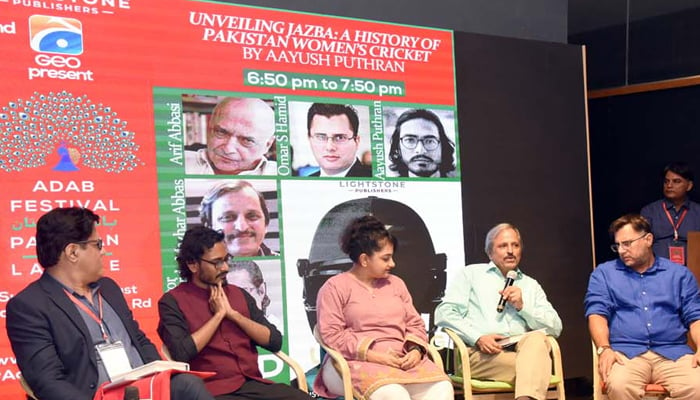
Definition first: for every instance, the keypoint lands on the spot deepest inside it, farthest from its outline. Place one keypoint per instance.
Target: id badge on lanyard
(114, 358)
(676, 250)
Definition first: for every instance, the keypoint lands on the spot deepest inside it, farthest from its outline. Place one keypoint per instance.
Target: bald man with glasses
(640, 308)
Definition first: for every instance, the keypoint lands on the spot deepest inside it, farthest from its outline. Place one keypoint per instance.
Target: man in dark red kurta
(215, 326)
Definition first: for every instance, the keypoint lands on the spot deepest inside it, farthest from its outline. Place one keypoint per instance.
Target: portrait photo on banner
(225, 135)
(430, 242)
(262, 279)
(246, 210)
(330, 139)
(420, 142)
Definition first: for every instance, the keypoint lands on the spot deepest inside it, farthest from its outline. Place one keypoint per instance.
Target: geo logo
(58, 35)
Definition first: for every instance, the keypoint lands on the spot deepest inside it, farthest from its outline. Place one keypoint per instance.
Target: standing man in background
(673, 216)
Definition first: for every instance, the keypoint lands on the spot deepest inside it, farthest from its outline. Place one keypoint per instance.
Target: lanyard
(88, 311)
(677, 225)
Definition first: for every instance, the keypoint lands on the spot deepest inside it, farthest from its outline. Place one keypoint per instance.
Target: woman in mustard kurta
(367, 314)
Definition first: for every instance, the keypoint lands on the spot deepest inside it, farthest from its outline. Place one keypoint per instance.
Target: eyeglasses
(428, 142)
(626, 244)
(98, 243)
(336, 139)
(218, 264)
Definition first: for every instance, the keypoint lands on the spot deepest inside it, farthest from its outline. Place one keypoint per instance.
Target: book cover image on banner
(421, 214)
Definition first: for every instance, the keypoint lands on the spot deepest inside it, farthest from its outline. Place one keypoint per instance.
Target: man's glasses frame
(218, 264)
(98, 243)
(625, 244)
(336, 139)
(411, 142)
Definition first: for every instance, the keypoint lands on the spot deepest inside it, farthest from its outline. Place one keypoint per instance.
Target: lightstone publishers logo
(59, 40)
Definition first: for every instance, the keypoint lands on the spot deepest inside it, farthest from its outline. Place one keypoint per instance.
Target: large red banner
(79, 114)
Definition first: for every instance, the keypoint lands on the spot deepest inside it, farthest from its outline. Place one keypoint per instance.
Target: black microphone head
(131, 393)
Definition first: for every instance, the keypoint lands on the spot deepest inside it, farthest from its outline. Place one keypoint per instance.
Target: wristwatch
(602, 348)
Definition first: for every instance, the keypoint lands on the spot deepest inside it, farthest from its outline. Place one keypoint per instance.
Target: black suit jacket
(357, 170)
(52, 344)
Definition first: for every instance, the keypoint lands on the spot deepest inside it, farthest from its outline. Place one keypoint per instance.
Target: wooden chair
(302, 384)
(473, 388)
(651, 391)
(341, 365)
(26, 388)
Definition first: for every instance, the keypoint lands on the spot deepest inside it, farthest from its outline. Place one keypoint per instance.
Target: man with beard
(215, 326)
(673, 216)
(420, 147)
(470, 309)
(640, 308)
(239, 133)
(237, 209)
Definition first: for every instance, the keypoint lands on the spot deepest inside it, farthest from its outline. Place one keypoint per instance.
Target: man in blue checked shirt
(640, 308)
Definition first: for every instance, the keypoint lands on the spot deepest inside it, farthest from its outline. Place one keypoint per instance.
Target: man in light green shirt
(470, 309)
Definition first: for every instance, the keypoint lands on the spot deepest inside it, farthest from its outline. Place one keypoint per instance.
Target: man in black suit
(332, 131)
(57, 324)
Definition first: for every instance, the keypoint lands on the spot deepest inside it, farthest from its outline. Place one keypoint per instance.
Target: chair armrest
(435, 356)
(26, 387)
(340, 364)
(556, 358)
(298, 370)
(461, 355)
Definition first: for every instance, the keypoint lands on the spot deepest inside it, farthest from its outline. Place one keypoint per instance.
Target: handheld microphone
(131, 393)
(510, 278)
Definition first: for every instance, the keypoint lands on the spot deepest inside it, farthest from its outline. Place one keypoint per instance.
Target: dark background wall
(643, 50)
(632, 138)
(524, 160)
(634, 135)
(533, 19)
